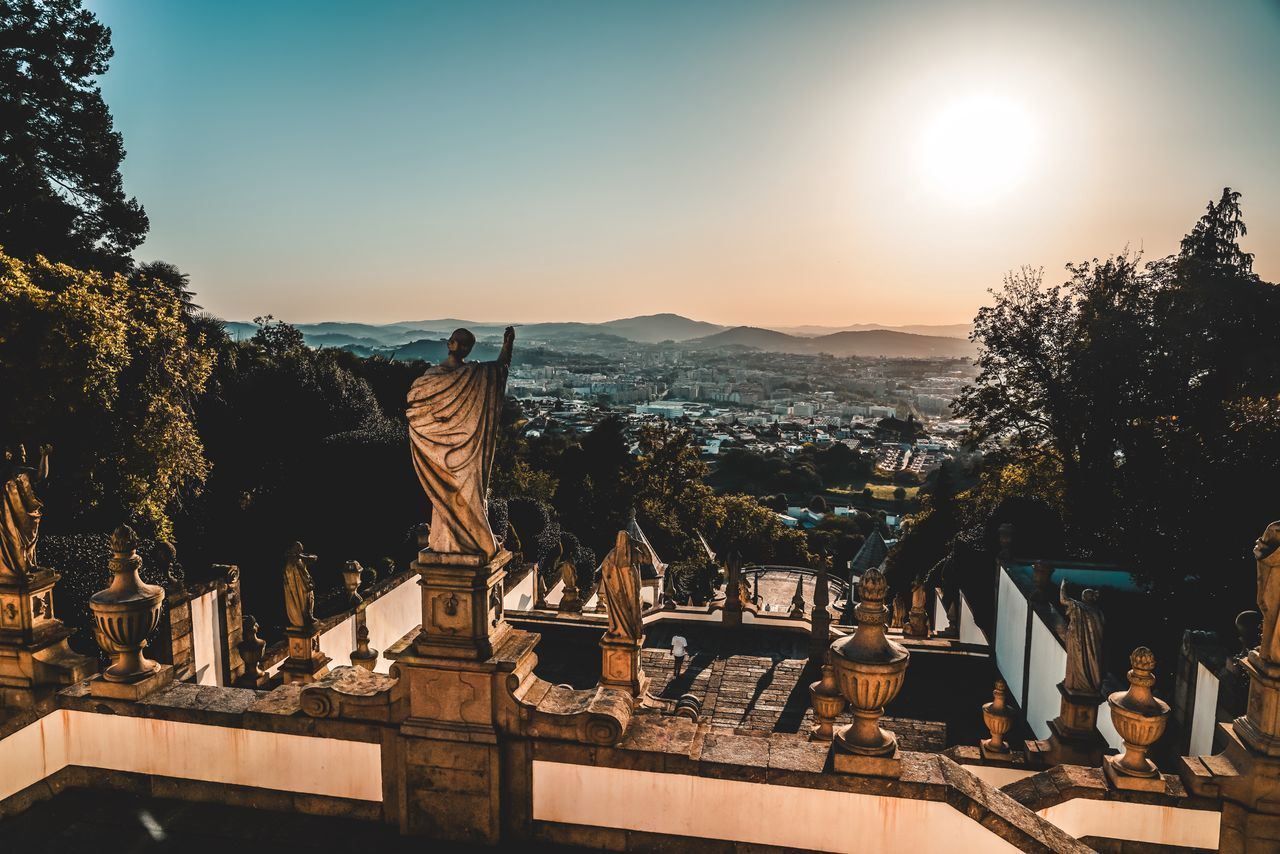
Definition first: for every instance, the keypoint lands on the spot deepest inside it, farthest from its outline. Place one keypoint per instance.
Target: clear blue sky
(767, 163)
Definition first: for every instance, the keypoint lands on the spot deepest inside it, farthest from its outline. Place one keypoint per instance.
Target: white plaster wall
(1011, 634)
(814, 819)
(969, 631)
(1204, 714)
(996, 775)
(521, 596)
(940, 621)
(206, 638)
(1048, 668)
(389, 617)
(1107, 728)
(269, 760)
(1140, 822)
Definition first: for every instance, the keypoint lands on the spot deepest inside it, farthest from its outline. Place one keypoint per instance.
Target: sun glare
(977, 148)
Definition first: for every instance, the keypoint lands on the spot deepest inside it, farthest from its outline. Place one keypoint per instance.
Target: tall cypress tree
(61, 194)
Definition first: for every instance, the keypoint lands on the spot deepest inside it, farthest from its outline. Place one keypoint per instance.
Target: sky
(761, 163)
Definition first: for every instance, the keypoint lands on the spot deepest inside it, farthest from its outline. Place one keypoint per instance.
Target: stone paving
(757, 695)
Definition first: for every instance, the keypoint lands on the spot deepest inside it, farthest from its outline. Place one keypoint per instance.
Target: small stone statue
(1084, 642)
(251, 648)
(20, 510)
(898, 617)
(1266, 551)
(620, 582)
(453, 430)
(299, 590)
(569, 600)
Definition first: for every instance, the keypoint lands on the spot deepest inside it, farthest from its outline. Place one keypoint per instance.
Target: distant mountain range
(423, 338)
(867, 343)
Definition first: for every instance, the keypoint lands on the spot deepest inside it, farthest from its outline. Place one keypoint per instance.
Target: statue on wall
(453, 428)
(20, 510)
(1266, 551)
(919, 594)
(620, 580)
(1084, 642)
(299, 589)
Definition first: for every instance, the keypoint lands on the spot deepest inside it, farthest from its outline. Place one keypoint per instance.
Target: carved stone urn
(999, 720)
(870, 670)
(127, 612)
(828, 703)
(1140, 717)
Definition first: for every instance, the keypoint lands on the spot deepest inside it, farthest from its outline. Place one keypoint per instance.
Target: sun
(977, 148)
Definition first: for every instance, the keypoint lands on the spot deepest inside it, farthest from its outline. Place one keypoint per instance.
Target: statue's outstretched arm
(508, 338)
(42, 467)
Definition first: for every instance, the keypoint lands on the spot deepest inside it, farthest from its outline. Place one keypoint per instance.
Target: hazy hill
(944, 330)
(870, 343)
(868, 339)
(653, 328)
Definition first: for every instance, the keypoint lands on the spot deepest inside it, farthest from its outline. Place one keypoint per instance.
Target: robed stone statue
(20, 511)
(1266, 551)
(620, 578)
(299, 589)
(453, 428)
(1084, 642)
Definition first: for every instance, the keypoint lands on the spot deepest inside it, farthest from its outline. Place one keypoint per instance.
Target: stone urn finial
(127, 612)
(363, 656)
(999, 720)
(251, 648)
(870, 669)
(828, 703)
(1140, 717)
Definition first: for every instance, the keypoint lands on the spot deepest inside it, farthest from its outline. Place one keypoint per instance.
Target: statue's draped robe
(19, 525)
(1269, 597)
(299, 594)
(1084, 648)
(453, 429)
(620, 577)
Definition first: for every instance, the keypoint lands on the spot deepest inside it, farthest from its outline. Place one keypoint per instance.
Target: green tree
(106, 373)
(61, 194)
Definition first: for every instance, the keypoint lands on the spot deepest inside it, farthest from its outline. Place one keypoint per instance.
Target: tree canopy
(61, 193)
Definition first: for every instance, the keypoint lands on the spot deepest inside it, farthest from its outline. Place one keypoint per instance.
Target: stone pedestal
(148, 684)
(1074, 738)
(33, 643)
(620, 665)
(1259, 728)
(306, 663)
(461, 604)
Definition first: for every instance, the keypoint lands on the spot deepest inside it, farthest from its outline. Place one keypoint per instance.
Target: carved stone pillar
(306, 663)
(33, 642)
(452, 674)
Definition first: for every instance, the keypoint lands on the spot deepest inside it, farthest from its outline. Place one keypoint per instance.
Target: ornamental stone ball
(453, 412)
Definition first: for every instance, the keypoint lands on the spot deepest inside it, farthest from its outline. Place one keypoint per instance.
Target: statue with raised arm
(299, 589)
(1266, 551)
(453, 429)
(20, 510)
(1084, 641)
(620, 578)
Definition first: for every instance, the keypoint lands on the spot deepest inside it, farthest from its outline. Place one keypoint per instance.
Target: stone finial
(870, 669)
(1140, 718)
(251, 648)
(797, 601)
(127, 612)
(828, 703)
(363, 656)
(352, 572)
(999, 720)
(820, 617)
